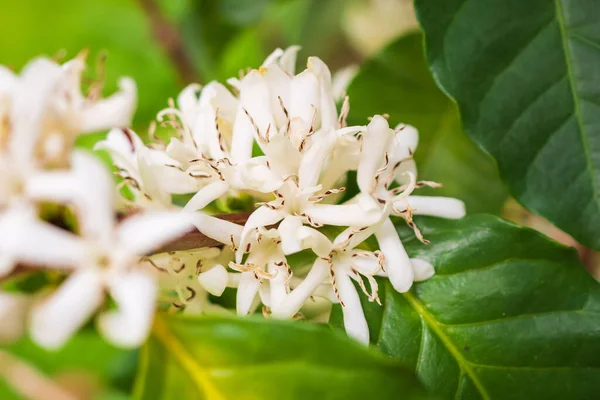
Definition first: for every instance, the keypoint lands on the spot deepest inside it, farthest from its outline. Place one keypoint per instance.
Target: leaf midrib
(198, 375)
(464, 365)
(572, 85)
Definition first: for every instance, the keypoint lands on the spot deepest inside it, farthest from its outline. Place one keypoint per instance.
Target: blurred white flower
(48, 110)
(103, 259)
(372, 24)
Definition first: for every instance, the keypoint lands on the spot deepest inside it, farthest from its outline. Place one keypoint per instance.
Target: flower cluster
(277, 137)
(275, 148)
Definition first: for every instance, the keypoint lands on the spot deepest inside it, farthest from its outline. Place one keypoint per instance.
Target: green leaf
(227, 358)
(525, 75)
(244, 51)
(508, 314)
(86, 354)
(398, 82)
(38, 27)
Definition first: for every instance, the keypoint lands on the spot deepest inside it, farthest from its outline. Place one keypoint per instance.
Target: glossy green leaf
(398, 82)
(226, 358)
(509, 314)
(525, 75)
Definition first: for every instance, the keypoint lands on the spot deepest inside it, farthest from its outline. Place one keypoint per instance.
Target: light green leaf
(86, 354)
(525, 75)
(35, 27)
(509, 314)
(399, 83)
(226, 358)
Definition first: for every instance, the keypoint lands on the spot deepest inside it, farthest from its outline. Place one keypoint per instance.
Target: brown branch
(191, 240)
(168, 37)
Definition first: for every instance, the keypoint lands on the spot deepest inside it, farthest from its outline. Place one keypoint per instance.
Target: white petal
(8, 81)
(397, 263)
(375, 143)
(255, 100)
(282, 155)
(364, 213)
(57, 318)
(316, 241)
(354, 317)
(179, 151)
(188, 102)
(404, 170)
(135, 296)
(157, 180)
(443, 207)
(277, 285)
(255, 175)
(273, 57)
(216, 228)
(214, 280)
(30, 104)
(327, 105)
(13, 316)
(422, 269)
(114, 111)
(261, 217)
(278, 82)
(288, 228)
(206, 195)
(141, 234)
(293, 301)
(288, 59)
(305, 98)
(122, 144)
(206, 133)
(30, 241)
(89, 186)
(407, 138)
(247, 291)
(216, 95)
(342, 79)
(314, 159)
(365, 265)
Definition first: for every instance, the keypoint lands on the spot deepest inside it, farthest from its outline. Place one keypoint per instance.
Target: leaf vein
(435, 327)
(573, 86)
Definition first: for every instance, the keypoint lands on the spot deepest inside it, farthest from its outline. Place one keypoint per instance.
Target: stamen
(192, 294)
(129, 137)
(149, 260)
(344, 112)
(233, 246)
(336, 291)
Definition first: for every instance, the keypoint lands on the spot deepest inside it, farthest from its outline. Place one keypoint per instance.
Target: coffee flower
(103, 259)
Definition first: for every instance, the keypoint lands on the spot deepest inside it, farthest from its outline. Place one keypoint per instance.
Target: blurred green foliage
(103, 370)
(118, 27)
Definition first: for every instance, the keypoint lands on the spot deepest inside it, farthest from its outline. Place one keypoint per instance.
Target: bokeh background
(166, 44)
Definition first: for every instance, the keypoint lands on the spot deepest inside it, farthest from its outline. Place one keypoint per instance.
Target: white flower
(140, 168)
(103, 259)
(48, 110)
(265, 262)
(340, 262)
(386, 156)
